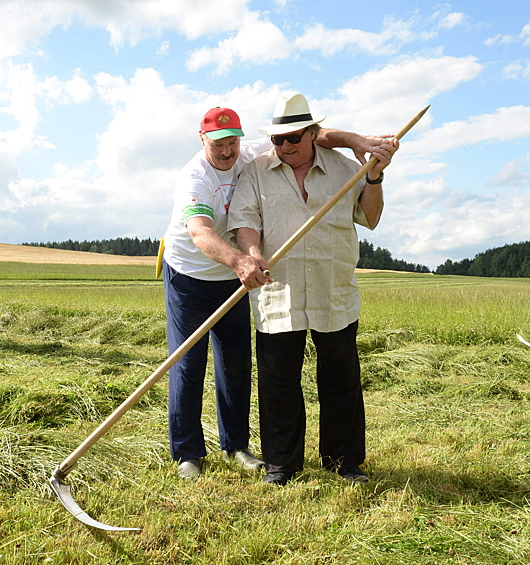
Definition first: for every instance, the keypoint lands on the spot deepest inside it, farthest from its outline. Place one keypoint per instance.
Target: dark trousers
(281, 404)
(190, 302)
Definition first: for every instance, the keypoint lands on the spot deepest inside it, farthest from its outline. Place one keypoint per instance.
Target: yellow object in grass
(159, 258)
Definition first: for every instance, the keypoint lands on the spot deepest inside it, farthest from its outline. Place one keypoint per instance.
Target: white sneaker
(190, 469)
(244, 458)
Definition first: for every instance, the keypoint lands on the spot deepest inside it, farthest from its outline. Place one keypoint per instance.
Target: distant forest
(380, 258)
(132, 247)
(507, 261)
(370, 258)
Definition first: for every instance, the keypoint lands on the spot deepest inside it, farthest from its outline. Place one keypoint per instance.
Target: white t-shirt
(202, 190)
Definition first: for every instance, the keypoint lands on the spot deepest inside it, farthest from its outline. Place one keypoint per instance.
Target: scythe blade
(63, 493)
(522, 340)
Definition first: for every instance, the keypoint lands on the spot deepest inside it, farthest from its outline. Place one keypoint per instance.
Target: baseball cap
(221, 122)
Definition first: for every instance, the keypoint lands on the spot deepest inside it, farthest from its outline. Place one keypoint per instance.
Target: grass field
(447, 393)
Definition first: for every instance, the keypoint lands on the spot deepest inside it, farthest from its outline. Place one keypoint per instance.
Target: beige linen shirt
(314, 283)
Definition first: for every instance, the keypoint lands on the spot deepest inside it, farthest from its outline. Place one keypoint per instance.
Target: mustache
(224, 158)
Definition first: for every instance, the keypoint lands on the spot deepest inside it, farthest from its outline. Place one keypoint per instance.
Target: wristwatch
(376, 181)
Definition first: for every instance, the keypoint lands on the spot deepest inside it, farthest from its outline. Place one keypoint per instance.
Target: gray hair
(315, 129)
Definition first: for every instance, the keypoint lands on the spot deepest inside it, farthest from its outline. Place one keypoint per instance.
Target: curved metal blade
(62, 491)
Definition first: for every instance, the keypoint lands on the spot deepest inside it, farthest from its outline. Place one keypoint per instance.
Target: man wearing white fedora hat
(313, 288)
(202, 269)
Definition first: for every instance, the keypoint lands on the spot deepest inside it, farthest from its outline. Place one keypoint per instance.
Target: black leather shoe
(278, 478)
(355, 475)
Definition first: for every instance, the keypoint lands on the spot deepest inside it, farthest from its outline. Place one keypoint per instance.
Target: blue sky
(100, 102)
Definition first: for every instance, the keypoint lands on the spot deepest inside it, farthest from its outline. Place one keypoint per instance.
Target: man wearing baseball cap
(202, 269)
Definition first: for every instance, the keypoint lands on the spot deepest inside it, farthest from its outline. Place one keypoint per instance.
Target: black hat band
(291, 119)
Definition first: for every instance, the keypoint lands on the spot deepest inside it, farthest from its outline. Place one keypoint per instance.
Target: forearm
(215, 247)
(248, 241)
(371, 202)
(249, 268)
(360, 145)
(332, 138)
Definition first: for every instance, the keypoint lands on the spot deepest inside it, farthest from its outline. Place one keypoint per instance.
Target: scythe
(61, 489)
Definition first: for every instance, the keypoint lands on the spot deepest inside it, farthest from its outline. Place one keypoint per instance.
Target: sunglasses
(292, 138)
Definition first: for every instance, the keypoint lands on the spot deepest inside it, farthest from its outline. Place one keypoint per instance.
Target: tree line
(371, 258)
(132, 247)
(511, 260)
(508, 261)
(380, 258)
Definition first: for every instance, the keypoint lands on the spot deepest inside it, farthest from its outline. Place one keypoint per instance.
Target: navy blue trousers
(281, 403)
(190, 302)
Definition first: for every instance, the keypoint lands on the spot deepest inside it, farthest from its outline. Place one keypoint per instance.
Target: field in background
(43, 255)
(447, 392)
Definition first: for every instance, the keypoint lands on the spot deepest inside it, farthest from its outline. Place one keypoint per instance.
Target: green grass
(16, 271)
(447, 393)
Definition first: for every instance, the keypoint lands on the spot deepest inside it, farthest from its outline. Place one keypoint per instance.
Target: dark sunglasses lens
(292, 138)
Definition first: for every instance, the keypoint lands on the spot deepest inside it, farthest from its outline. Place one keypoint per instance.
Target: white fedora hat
(291, 114)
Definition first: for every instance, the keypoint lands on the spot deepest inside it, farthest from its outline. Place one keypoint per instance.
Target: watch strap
(376, 181)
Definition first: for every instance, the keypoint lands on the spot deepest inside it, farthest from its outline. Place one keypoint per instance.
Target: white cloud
(501, 40)
(134, 20)
(410, 83)
(21, 90)
(506, 39)
(459, 229)
(525, 34)
(77, 90)
(73, 91)
(452, 20)
(25, 23)
(153, 124)
(393, 35)
(431, 219)
(163, 49)
(22, 93)
(503, 125)
(517, 69)
(257, 41)
(332, 41)
(513, 174)
(143, 134)
(421, 195)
